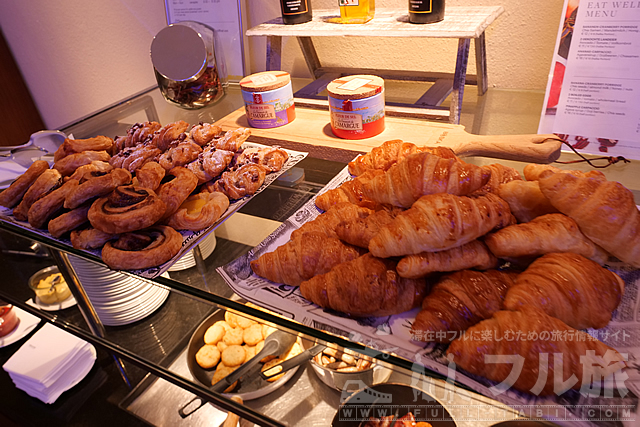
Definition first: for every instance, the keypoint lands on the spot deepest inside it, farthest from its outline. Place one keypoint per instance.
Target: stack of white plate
(119, 299)
(207, 245)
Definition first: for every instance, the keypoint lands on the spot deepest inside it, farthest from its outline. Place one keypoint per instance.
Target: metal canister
(268, 99)
(356, 106)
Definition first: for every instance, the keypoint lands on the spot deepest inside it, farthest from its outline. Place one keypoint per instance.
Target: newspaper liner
(189, 238)
(392, 333)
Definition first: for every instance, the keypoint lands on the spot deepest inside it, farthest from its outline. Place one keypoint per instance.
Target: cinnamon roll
(199, 211)
(72, 146)
(44, 184)
(68, 165)
(12, 195)
(204, 133)
(176, 191)
(68, 221)
(232, 139)
(150, 175)
(90, 238)
(46, 207)
(142, 249)
(126, 209)
(242, 182)
(97, 186)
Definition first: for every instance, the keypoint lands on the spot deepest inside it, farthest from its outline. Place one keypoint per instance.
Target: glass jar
(356, 11)
(188, 71)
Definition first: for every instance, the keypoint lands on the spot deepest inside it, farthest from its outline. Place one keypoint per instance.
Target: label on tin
(346, 121)
(354, 84)
(261, 111)
(264, 79)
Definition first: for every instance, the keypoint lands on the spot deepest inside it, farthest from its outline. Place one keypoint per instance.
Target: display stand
(462, 23)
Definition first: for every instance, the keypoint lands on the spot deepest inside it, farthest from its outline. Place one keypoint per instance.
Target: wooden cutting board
(312, 126)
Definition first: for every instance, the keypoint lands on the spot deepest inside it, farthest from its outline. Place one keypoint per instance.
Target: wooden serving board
(312, 127)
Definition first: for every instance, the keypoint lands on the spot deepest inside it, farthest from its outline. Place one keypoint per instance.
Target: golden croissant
(424, 173)
(390, 153)
(327, 221)
(359, 231)
(459, 301)
(529, 334)
(525, 199)
(440, 221)
(365, 286)
(569, 287)
(349, 191)
(605, 211)
(474, 254)
(542, 235)
(302, 258)
(533, 172)
(500, 174)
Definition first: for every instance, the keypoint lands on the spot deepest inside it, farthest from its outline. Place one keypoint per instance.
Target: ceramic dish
(27, 323)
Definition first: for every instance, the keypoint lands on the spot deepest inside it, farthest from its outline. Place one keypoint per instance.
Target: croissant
(533, 172)
(605, 211)
(328, 221)
(474, 254)
(359, 231)
(424, 173)
(500, 174)
(459, 301)
(390, 153)
(365, 286)
(437, 222)
(349, 191)
(525, 199)
(542, 235)
(533, 326)
(569, 287)
(302, 258)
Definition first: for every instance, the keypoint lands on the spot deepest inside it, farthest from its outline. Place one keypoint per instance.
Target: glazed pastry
(142, 249)
(350, 191)
(44, 184)
(97, 187)
(163, 137)
(542, 235)
(179, 153)
(199, 211)
(69, 221)
(605, 211)
(469, 354)
(93, 169)
(68, 165)
(303, 257)
(204, 133)
(499, 174)
(12, 195)
(459, 301)
(360, 230)
(215, 161)
(328, 221)
(271, 158)
(72, 146)
(568, 287)
(424, 173)
(90, 238)
(46, 207)
(133, 158)
(474, 254)
(126, 209)
(150, 175)
(525, 199)
(137, 134)
(176, 191)
(242, 182)
(390, 153)
(439, 222)
(533, 172)
(232, 139)
(365, 286)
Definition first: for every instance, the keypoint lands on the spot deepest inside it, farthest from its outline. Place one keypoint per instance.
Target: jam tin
(356, 106)
(268, 99)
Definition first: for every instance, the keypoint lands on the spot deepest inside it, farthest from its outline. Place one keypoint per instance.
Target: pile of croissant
(130, 195)
(481, 250)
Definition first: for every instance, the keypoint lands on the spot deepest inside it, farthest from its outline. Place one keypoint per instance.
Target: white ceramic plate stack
(119, 299)
(188, 260)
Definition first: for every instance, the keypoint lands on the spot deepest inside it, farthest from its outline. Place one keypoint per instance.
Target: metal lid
(264, 81)
(178, 53)
(358, 86)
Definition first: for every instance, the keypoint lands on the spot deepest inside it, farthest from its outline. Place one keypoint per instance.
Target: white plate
(27, 323)
(9, 171)
(37, 303)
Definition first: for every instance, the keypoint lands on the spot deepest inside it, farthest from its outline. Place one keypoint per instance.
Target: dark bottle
(296, 11)
(426, 11)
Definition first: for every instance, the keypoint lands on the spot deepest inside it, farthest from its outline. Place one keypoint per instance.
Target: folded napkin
(49, 363)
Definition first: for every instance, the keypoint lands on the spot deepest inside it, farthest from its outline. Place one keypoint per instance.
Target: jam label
(264, 79)
(261, 112)
(346, 121)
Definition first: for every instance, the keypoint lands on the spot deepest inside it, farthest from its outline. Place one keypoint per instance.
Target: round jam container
(268, 99)
(356, 106)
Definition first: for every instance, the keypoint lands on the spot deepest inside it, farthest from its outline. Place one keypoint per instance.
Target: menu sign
(594, 90)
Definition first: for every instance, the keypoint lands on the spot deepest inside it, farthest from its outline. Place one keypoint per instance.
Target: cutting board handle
(525, 148)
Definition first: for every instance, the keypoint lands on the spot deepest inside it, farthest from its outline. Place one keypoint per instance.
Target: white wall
(80, 56)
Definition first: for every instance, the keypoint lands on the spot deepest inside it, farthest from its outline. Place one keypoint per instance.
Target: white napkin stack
(50, 363)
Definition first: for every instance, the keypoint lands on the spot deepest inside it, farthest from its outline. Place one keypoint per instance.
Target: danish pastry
(90, 238)
(68, 165)
(232, 139)
(133, 158)
(204, 133)
(69, 221)
(150, 175)
(12, 195)
(72, 146)
(215, 161)
(176, 191)
(271, 158)
(163, 137)
(242, 182)
(142, 249)
(179, 153)
(97, 187)
(137, 134)
(199, 211)
(44, 208)
(95, 168)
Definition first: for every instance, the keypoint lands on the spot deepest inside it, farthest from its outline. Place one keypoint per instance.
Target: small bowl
(52, 293)
(8, 319)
